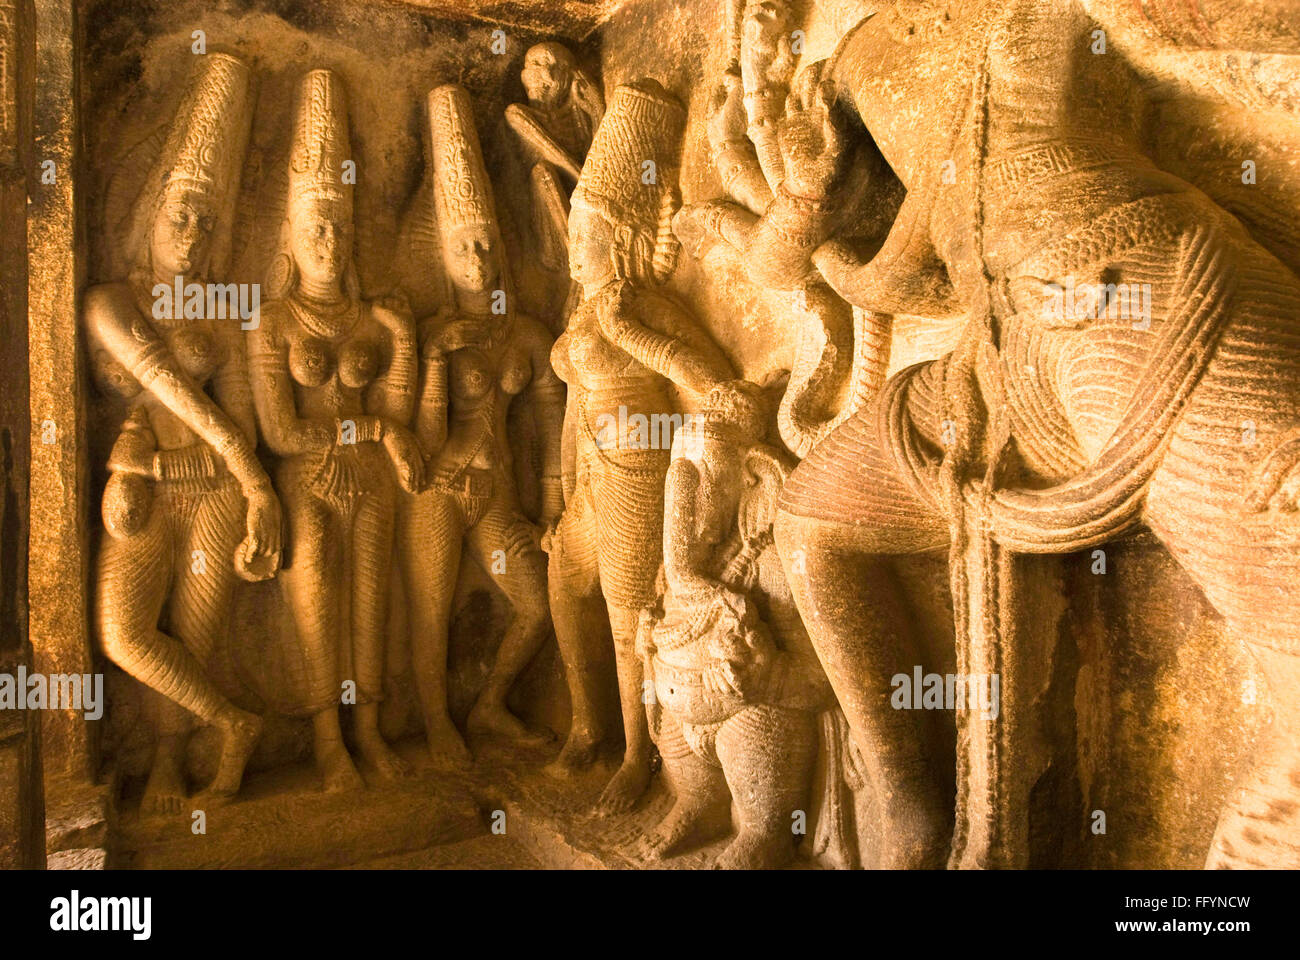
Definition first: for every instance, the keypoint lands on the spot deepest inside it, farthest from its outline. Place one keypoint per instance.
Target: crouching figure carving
(733, 686)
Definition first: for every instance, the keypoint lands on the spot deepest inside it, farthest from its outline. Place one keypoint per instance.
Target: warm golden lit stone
(651, 433)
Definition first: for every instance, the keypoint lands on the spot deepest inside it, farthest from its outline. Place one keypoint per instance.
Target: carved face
(182, 233)
(472, 257)
(320, 238)
(547, 74)
(591, 239)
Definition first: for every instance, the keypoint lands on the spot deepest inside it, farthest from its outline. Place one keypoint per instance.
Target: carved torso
(483, 380)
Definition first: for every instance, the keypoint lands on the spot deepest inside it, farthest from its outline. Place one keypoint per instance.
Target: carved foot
(495, 721)
(755, 851)
(338, 773)
(379, 764)
(238, 737)
(164, 794)
(687, 825)
(625, 787)
(447, 749)
(578, 753)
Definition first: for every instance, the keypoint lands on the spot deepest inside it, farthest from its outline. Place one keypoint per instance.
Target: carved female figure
(1045, 430)
(623, 349)
(480, 355)
(187, 507)
(334, 383)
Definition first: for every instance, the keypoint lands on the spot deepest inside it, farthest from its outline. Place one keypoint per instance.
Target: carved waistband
(1049, 160)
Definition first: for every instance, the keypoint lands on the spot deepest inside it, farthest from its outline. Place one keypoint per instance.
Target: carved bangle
(795, 236)
(808, 205)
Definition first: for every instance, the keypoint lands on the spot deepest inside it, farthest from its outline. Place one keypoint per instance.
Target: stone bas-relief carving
(479, 355)
(624, 347)
(554, 130)
(333, 380)
(724, 566)
(1063, 430)
(737, 687)
(187, 506)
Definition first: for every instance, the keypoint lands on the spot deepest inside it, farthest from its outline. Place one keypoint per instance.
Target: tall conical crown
(642, 123)
(320, 141)
(462, 192)
(203, 153)
(205, 148)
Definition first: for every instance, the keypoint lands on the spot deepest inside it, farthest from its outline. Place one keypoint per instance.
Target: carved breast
(515, 374)
(195, 349)
(314, 360)
(472, 375)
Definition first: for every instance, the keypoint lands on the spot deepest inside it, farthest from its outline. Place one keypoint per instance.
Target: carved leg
(839, 571)
(767, 755)
(311, 583)
(199, 613)
(573, 586)
(629, 499)
(431, 543)
(132, 583)
(1261, 826)
(523, 581)
(701, 807)
(165, 793)
(633, 776)
(372, 531)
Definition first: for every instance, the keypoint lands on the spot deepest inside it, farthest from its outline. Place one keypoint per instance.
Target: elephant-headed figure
(733, 688)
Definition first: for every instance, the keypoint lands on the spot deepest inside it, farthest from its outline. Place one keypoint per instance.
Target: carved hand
(814, 151)
(258, 556)
(727, 119)
(454, 335)
(407, 459)
(547, 539)
(394, 315)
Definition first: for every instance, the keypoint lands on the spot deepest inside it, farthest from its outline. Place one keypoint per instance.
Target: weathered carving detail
(995, 449)
(1048, 203)
(555, 129)
(841, 353)
(737, 686)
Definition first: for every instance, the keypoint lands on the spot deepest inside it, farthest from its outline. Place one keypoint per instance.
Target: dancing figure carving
(840, 353)
(625, 346)
(333, 380)
(554, 129)
(188, 508)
